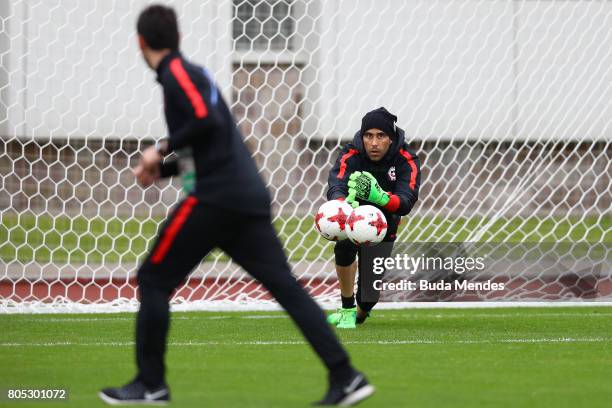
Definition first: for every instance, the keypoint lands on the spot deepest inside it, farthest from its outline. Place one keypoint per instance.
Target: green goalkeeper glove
(362, 185)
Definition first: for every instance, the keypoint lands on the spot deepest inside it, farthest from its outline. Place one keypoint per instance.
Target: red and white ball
(366, 225)
(330, 220)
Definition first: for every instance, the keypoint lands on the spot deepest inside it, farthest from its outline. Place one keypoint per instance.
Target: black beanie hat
(379, 119)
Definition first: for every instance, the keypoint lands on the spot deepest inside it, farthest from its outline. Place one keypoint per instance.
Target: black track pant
(345, 254)
(190, 233)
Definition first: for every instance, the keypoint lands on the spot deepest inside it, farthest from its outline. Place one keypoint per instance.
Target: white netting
(507, 103)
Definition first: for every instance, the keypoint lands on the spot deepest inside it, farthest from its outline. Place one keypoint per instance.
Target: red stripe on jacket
(173, 229)
(413, 167)
(177, 69)
(343, 160)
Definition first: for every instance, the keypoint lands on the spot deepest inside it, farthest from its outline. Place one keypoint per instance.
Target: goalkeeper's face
(376, 143)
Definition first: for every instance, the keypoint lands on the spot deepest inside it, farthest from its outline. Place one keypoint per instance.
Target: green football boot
(348, 318)
(334, 318)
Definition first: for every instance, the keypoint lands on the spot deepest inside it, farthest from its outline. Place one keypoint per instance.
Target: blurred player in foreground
(378, 169)
(227, 206)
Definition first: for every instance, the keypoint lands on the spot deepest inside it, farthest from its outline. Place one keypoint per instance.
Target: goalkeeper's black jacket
(398, 173)
(203, 132)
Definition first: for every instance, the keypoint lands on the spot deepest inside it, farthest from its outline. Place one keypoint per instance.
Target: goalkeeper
(378, 169)
(227, 206)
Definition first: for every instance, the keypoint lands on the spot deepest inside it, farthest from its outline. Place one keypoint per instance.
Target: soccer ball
(366, 225)
(331, 219)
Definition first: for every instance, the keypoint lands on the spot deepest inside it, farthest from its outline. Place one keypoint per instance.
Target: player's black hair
(159, 27)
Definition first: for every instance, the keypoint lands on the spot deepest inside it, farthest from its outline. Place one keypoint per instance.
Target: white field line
(489, 315)
(295, 342)
(39, 308)
(411, 315)
(43, 319)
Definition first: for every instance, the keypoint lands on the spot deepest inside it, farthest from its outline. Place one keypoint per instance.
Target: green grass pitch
(517, 357)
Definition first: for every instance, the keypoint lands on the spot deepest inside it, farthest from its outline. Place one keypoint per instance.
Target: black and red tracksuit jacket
(398, 173)
(202, 129)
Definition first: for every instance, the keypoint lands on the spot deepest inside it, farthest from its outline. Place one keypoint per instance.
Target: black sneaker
(349, 392)
(361, 319)
(135, 393)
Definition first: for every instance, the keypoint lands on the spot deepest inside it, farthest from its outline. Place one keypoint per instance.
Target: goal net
(508, 105)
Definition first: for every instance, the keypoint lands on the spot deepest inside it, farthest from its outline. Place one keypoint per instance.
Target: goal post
(508, 105)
